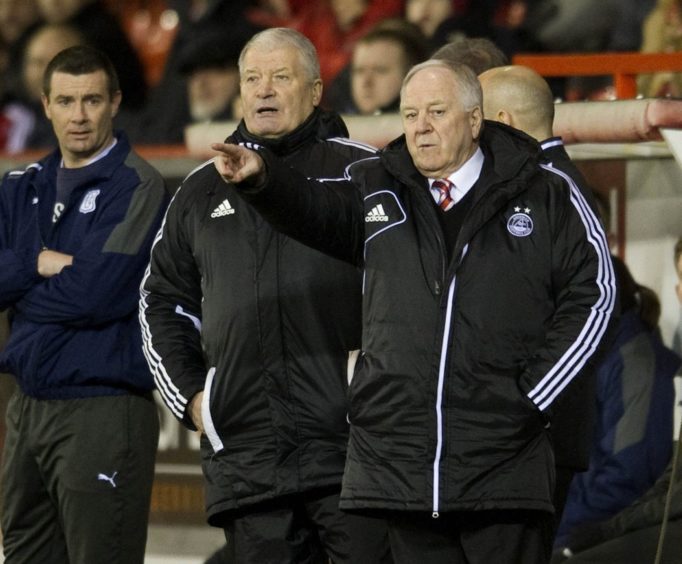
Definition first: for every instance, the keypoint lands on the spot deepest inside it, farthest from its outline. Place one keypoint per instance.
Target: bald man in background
(520, 97)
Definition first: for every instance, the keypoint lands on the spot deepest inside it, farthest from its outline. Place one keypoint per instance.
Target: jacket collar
(105, 167)
(506, 150)
(319, 125)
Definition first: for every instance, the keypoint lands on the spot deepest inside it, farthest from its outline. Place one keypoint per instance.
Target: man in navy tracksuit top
(75, 233)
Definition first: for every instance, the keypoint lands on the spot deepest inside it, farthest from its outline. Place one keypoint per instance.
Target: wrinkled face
(428, 14)
(441, 135)
(81, 112)
(377, 72)
(211, 91)
(277, 94)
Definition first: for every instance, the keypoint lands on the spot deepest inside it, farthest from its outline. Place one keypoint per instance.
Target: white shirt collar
(103, 153)
(463, 178)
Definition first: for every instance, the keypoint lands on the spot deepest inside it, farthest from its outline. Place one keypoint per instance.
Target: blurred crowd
(178, 59)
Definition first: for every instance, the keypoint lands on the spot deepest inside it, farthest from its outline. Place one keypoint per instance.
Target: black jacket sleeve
(170, 315)
(325, 215)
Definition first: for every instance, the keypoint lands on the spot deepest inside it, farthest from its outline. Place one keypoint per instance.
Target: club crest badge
(520, 223)
(89, 202)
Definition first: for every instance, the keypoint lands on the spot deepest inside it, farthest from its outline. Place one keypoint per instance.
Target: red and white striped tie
(443, 185)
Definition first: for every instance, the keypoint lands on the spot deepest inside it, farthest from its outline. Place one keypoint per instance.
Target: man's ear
(317, 92)
(476, 121)
(46, 105)
(504, 117)
(115, 102)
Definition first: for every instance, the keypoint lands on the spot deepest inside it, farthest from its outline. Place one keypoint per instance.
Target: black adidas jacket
(259, 322)
(462, 360)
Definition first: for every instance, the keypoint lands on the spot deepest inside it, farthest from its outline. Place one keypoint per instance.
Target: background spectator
(380, 61)
(167, 110)
(429, 14)
(16, 19)
(210, 66)
(662, 33)
(584, 26)
(635, 533)
(479, 53)
(29, 127)
(102, 30)
(635, 396)
(333, 27)
(444, 21)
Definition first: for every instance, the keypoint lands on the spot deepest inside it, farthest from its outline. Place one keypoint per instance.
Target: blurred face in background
(211, 91)
(377, 72)
(41, 48)
(16, 16)
(59, 11)
(428, 14)
(347, 12)
(276, 91)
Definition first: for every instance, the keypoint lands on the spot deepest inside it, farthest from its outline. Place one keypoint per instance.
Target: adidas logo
(376, 214)
(223, 209)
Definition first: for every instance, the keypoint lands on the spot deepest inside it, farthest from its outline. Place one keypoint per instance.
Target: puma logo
(106, 478)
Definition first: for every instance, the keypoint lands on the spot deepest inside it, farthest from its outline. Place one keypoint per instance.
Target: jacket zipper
(439, 392)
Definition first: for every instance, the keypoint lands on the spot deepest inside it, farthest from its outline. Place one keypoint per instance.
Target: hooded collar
(507, 149)
(319, 125)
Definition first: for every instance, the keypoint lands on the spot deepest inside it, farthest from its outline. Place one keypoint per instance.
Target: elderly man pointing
(487, 286)
(248, 333)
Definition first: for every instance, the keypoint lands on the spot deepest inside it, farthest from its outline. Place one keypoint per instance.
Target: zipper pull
(435, 515)
(438, 288)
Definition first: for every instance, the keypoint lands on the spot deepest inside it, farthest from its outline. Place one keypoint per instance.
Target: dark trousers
(306, 528)
(77, 478)
(564, 476)
(471, 537)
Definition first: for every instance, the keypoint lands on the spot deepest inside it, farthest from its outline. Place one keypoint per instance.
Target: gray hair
(479, 53)
(278, 37)
(468, 86)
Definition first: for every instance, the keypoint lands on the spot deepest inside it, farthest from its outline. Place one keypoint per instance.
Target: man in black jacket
(520, 97)
(248, 332)
(487, 287)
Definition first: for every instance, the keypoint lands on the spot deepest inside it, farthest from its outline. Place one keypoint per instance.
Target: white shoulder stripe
(199, 167)
(352, 143)
(573, 360)
(346, 172)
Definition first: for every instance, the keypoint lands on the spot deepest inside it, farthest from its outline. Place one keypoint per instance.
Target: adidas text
(376, 214)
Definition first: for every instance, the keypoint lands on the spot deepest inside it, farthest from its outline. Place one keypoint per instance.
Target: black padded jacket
(259, 322)
(463, 358)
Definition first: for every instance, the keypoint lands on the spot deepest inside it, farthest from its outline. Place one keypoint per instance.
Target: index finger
(225, 148)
